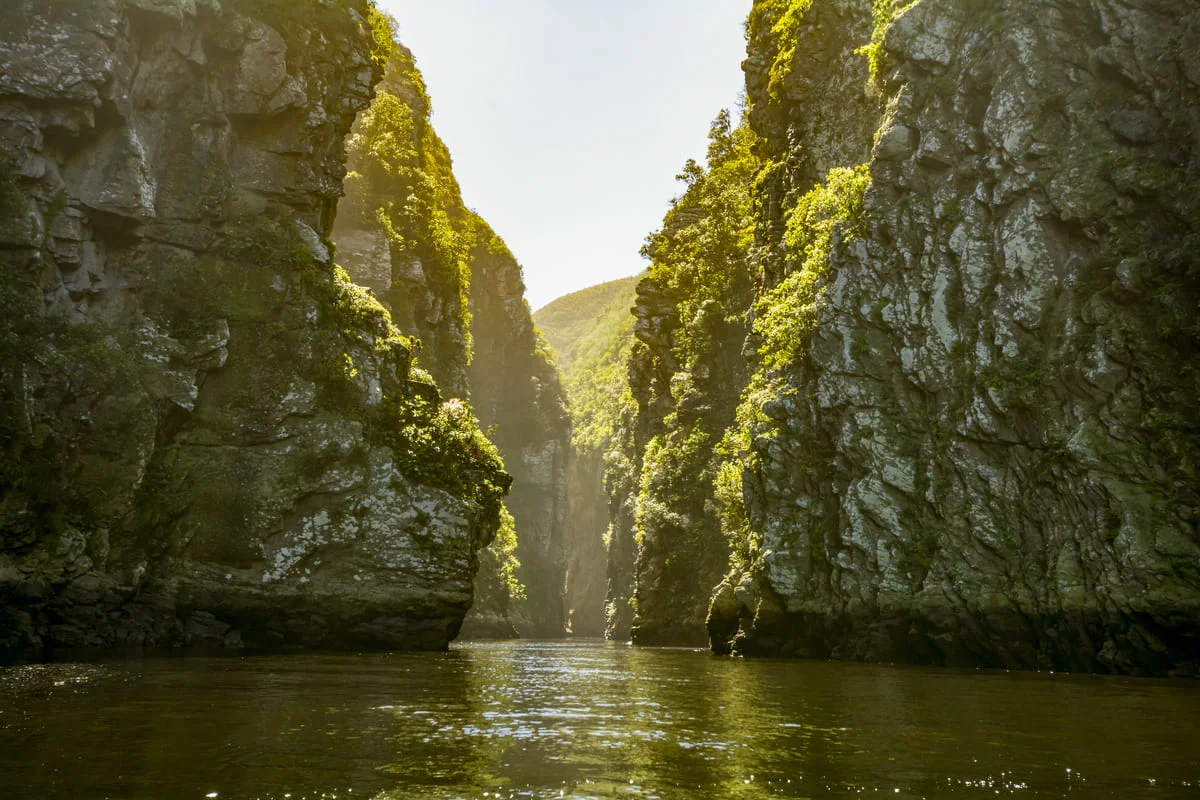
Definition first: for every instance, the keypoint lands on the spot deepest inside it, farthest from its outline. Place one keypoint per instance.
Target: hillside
(578, 323)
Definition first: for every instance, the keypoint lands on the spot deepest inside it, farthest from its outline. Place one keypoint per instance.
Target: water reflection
(583, 720)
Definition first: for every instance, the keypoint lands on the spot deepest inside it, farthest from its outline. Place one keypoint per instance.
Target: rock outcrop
(208, 434)
(685, 374)
(978, 444)
(449, 280)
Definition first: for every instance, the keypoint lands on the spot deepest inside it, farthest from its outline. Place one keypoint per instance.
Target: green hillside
(582, 322)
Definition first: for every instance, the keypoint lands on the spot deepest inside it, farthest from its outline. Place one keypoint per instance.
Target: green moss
(12, 197)
(401, 180)
(884, 13)
(787, 315)
(772, 28)
(1019, 380)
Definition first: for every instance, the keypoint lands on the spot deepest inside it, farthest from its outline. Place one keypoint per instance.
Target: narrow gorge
(332, 466)
(909, 376)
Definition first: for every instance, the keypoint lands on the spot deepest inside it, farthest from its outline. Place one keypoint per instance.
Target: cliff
(210, 435)
(449, 280)
(970, 434)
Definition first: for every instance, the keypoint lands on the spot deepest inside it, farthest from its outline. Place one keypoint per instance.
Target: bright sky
(569, 119)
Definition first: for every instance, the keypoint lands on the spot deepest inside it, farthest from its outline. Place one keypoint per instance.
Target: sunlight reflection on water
(582, 720)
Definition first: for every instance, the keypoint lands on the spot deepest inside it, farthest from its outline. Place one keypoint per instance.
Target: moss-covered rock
(210, 435)
(972, 447)
(451, 282)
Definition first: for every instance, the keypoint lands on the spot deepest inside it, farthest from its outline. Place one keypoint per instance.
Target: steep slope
(517, 394)
(448, 279)
(209, 435)
(971, 433)
(592, 331)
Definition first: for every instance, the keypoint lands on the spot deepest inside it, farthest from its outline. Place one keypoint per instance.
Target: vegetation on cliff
(210, 434)
(452, 283)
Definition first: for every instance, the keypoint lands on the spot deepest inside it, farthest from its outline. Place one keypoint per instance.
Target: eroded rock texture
(987, 452)
(208, 434)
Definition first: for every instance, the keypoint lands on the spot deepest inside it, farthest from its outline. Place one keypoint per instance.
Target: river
(582, 720)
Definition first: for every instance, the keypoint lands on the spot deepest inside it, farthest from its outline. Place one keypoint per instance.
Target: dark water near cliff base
(580, 720)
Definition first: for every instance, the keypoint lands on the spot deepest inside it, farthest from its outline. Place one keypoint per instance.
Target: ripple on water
(579, 721)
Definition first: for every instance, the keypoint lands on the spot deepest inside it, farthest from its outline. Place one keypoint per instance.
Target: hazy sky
(569, 119)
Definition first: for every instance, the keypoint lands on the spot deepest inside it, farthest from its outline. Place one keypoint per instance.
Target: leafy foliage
(583, 323)
(785, 319)
(786, 315)
(691, 378)
(438, 444)
(592, 330)
(504, 548)
(884, 13)
(700, 254)
(771, 28)
(401, 180)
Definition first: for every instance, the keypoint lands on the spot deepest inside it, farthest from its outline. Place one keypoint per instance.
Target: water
(581, 720)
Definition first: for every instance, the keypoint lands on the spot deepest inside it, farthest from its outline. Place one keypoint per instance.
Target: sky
(569, 119)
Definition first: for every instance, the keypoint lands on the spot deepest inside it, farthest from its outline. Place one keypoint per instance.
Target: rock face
(208, 434)
(448, 279)
(984, 449)
(402, 229)
(515, 387)
(685, 374)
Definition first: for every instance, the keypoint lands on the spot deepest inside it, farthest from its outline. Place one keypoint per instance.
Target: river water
(582, 720)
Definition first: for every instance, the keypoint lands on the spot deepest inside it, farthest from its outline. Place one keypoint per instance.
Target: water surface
(582, 720)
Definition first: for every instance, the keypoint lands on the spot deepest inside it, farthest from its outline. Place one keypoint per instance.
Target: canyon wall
(591, 332)
(914, 373)
(970, 434)
(208, 434)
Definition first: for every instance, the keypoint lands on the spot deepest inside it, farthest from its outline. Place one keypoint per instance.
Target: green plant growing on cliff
(504, 548)
(435, 443)
(785, 320)
(401, 181)
(700, 283)
(786, 316)
(772, 28)
(884, 13)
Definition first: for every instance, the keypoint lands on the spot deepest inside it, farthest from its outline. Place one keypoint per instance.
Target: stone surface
(199, 442)
(987, 453)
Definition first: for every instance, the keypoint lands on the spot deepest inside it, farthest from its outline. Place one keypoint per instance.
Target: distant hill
(581, 322)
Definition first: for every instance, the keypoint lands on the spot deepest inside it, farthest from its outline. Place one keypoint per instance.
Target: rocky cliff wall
(450, 281)
(977, 442)
(515, 387)
(685, 374)
(209, 435)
